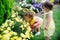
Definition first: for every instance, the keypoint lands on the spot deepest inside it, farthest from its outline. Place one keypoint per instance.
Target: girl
(34, 21)
(49, 26)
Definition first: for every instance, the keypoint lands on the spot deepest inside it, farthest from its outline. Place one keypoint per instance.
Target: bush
(5, 9)
(15, 28)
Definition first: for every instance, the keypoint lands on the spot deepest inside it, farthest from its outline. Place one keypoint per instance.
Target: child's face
(27, 19)
(45, 9)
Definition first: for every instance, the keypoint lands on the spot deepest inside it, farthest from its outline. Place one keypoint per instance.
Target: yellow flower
(6, 31)
(1, 29)
(8, 28)
(32, 35)
(20, 38)
(13, 15)
(21, 20)
(11, 32)
(5, 24)
(11, 23)
(25, 39)
(19, 8)
(14, 33)
(0, 36)
(22, 35)
(28, 29)
(14, 38)
(2, 26)
(27, 36)
(24, 25)
(21, 26)
(8, 34)
(17, 19)
(5, 37)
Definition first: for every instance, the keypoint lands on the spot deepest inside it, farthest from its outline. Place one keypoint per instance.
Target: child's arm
(48, 21)
(38, 23)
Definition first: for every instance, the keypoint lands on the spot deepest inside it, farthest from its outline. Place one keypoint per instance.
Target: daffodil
(17, 19)
(14, 33)
(22, 28)
(25, 39)
(0, 36)
(5, 37)
(14, 38)
(6, 31)
(8, 28)
(13, 15)
(5, 25)
(1, 29)
(22, 35)
(11, 23)
(20, 38)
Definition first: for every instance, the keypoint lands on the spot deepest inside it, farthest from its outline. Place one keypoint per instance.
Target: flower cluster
(34, 5)
(15, 28)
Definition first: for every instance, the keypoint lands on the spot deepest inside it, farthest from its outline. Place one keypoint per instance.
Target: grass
(56, 35)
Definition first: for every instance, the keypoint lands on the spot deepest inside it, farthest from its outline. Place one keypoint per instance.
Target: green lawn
(56, 35)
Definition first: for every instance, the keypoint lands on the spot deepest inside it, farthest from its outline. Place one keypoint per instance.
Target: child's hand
(45, 28)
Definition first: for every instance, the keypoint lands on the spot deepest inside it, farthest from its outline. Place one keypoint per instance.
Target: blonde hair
(30, 14)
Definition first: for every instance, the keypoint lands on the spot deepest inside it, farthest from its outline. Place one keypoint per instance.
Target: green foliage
(29, 1)
(5, 9)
